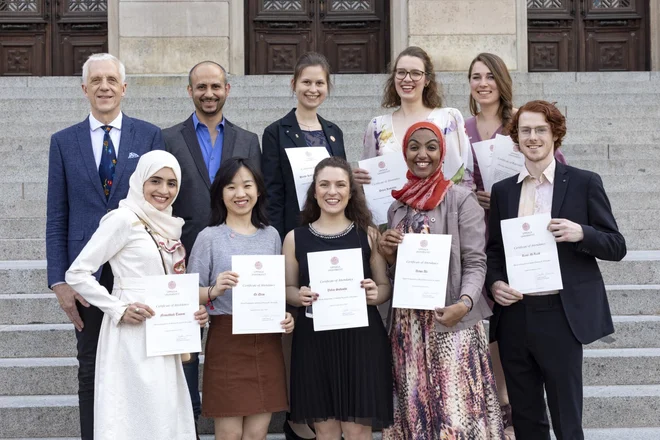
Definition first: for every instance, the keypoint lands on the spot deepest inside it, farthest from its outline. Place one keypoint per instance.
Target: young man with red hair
(541, 334)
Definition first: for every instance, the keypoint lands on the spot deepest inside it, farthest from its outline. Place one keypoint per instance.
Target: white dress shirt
(96, 132)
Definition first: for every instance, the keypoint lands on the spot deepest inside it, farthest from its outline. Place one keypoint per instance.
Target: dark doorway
(50, 37)
(352, 34)
(588, 35)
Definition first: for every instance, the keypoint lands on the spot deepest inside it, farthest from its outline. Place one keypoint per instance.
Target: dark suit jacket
(578, 196)
(76, 202)
(193, 203)
(283, 211)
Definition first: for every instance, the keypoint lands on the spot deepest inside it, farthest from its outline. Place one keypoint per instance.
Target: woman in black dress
(341, 380)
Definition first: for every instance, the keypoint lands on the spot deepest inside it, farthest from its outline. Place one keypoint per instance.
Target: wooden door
(50, 37)
(352, 34)
(587, 35)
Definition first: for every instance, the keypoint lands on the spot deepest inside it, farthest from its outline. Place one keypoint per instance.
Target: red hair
(553, 116)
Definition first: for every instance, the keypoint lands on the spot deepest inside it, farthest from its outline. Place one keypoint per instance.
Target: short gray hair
(103, 57)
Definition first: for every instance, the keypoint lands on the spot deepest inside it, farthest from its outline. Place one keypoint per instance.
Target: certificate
(507, 160)
(532, 262)
(259, 298)
(303, 161)
(174, 329)
(498, 159)
(422, 267)
(387, 172)
(336, 277)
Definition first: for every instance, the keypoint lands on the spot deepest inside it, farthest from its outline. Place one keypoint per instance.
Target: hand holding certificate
(422, 267)
(174, 329)
(532, 262)
(259, 299)
(387, 172)
(335, 276)
(303, 161)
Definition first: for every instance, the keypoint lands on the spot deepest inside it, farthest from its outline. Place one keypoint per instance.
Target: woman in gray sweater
(244, 380)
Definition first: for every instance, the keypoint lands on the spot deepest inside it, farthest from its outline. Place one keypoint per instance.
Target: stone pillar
(454, 32)
(170, 36)
(654, 28)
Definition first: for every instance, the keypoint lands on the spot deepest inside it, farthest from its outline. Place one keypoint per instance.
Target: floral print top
(380, 139)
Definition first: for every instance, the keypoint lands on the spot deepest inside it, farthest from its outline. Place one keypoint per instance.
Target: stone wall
(170, 36)
(454, 32)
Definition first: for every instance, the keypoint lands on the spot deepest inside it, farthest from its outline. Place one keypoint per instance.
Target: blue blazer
(75, 202)
(578, 196)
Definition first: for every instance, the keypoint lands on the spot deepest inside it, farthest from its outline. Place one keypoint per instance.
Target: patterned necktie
(108, 161)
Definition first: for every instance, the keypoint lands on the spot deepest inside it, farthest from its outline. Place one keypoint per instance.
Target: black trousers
(88, 340)
(538, 349)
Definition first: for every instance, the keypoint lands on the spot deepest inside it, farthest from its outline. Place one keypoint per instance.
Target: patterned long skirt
(444, 388)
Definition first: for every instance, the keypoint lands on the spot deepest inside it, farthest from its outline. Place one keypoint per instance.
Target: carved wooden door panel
(50, 37)
(587, 35)
(614, 35)
(80, 28)
(352, 34)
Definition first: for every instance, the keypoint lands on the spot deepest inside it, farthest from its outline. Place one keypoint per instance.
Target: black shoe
(288, 431)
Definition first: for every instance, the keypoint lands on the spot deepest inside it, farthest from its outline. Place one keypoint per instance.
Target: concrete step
(23, 249)
(604, 407)
(23, 277)
(618, 167)
(638, 267)
(56, 376)
(58, 340)
(43, 308)
(24, 228)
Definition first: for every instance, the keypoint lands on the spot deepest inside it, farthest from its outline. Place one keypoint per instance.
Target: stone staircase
(613, 129)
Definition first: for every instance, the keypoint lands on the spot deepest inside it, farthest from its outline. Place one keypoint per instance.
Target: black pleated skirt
(345, 375)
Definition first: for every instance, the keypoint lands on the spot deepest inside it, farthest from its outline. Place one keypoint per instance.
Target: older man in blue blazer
(89, 167)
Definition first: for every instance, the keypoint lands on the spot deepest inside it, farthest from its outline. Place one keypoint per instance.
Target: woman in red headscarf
(443, 383)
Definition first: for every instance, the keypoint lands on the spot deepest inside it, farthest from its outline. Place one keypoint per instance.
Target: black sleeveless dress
(345, 375)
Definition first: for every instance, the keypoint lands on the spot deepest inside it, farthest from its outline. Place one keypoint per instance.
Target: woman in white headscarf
(136, 397)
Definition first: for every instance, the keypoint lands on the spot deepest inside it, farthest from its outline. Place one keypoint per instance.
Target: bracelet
(209, 303)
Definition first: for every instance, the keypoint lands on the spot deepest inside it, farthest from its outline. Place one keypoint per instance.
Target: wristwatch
(467, 301)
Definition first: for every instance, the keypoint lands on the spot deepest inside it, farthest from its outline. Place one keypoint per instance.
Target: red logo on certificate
(381, 164)
(492, 147)
(258, 265)
(525, 227)
(423, 243)
(171, 285)
(334, 261)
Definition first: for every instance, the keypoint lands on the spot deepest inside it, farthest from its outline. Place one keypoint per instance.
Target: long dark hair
(432, 96)
(356, 209)
(504, 85)
(223, 178)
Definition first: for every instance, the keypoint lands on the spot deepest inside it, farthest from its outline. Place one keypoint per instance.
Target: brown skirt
(243, 374)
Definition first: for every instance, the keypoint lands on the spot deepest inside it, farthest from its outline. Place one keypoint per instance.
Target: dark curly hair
(504, 85)
(553, 116)
(432, 96)
(356, 209)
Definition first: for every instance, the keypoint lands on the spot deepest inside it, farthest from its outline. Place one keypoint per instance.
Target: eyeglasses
(415, 75)
(527, 131)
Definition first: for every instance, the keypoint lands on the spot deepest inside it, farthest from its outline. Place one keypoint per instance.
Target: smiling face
(535, 138)
(241, 194)
(332, 190)
(483, 86)
(423, 154)
(104, 89)
(311, 87)
(408, 89)
(209, 89)
(161, 188)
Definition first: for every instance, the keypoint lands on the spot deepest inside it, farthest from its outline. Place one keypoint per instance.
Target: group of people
(126, 201)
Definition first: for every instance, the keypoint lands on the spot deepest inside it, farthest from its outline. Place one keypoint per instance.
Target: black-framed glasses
(415, 75)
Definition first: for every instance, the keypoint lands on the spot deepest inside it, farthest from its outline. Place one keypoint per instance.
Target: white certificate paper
(336, 276)
(387, 172)
(303, 161)
(422, 267)
(532, 262)
(174, 329)
(259, 298)
(498, 159)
